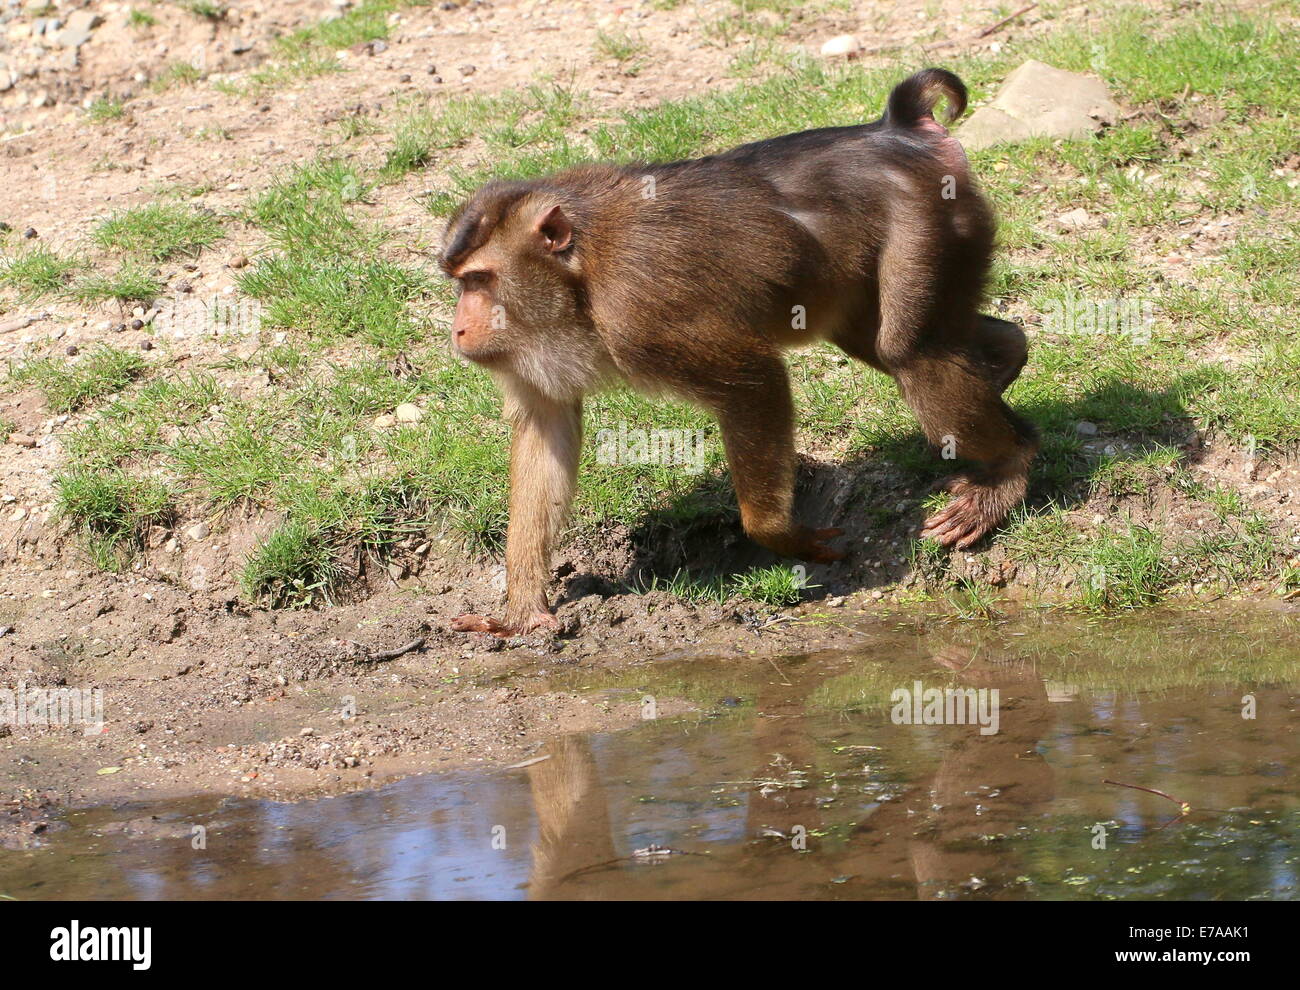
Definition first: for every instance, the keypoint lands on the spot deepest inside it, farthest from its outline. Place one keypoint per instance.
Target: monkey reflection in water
(923, 844)
(691, 278)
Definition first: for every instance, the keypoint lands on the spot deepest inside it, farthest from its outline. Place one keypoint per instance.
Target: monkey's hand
(470, 622)
(812, 548)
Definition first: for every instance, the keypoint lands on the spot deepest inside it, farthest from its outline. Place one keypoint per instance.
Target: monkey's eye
(476, 280)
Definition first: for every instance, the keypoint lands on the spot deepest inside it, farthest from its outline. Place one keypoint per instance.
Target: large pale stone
(1038, 100)
(80, 26)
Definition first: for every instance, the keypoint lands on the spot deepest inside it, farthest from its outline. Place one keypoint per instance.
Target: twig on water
(1186, 808)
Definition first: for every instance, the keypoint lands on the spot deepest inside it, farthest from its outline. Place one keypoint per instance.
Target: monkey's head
(510, 251)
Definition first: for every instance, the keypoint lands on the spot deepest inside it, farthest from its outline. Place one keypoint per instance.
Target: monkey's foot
(977, 507)
(471, 622)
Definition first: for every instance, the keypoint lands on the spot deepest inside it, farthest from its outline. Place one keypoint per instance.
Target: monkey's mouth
(481, 354)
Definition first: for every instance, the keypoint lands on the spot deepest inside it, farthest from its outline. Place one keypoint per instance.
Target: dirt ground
(203, 692)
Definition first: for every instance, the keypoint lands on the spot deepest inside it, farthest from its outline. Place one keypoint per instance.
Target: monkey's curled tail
(913, 100)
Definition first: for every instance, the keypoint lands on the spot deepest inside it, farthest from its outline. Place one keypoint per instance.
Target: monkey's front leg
(543, 465)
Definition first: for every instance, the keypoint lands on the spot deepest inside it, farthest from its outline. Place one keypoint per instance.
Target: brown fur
(683, 277)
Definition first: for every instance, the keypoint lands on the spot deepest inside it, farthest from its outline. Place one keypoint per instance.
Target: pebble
(198, 531)
(468, 70)
(1086, 429)
(30, 233)
(405, 77)
(22, 440)
(146, 345)
(137, 324)
(408, 413)
(385, 422)
(71, 349)
(238, 261)
(842, 44)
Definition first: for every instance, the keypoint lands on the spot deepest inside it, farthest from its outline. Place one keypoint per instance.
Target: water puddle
(806, 777)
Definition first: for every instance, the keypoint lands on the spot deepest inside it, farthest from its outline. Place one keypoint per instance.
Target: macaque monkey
(691, 278)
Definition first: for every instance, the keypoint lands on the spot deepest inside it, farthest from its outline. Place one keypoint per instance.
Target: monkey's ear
(556, 231)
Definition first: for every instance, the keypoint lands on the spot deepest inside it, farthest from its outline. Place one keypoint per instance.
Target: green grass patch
(113, 511)
(292, 567)
(37, 272)
(159, 231)
(132, 282)
(68, 385)
(104, 109)
(176, 74)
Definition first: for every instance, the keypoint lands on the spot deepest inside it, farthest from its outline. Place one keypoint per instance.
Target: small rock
(408, 413)
(71, 350)
(1077, 219)
(405, 77)
(22, 440)
(145, 345)
(137, 324)
(468, 70)
(307, 732)
(184, 286)
(238, 261)
(240, 45)
(199, 531)
(842, 44)
(1085, 429)
(433, 70)
(30, 233)
(385, 422)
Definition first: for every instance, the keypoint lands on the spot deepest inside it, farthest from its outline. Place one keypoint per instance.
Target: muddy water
(801, 778)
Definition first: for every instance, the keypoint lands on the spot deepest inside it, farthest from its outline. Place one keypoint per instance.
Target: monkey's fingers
(959, 526)
(941, 519)
(816, 552)
(953, 524)
(471, 623)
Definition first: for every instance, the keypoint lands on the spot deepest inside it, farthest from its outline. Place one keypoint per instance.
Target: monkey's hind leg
(961, 411)
(757, 421)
